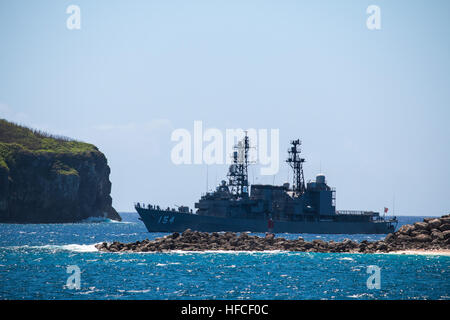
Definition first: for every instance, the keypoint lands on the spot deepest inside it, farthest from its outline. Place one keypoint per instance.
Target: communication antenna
(296, 163)
(215, 176)
(238, 171)
(253, 175)
(288, 176)
(207, 186)
(393, 205)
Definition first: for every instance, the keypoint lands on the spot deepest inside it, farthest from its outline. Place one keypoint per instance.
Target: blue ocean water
(34, 261)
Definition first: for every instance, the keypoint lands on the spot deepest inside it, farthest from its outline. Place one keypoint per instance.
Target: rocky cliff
(48, 179)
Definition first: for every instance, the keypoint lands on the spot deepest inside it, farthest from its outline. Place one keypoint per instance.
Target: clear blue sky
(372, 107)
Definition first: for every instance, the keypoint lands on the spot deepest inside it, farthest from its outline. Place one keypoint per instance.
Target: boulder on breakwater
(431, 234)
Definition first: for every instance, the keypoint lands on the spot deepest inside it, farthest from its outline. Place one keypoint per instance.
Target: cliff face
(49, 180)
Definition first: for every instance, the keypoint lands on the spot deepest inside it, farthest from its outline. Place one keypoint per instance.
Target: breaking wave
(66, 247)
(98, 220)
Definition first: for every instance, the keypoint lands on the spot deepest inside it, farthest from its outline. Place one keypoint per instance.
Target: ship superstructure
(234, 206)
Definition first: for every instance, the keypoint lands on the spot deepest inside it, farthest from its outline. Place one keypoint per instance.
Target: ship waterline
(174, 221)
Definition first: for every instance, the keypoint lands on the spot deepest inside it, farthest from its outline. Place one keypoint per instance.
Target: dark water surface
(34, 260)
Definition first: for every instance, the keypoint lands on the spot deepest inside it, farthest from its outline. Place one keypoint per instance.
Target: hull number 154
(166, 219)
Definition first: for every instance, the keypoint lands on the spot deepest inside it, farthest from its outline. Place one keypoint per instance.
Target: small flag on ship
(386, 210)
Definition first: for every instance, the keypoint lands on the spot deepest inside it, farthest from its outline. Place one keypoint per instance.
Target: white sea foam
(102, 220)
(139, 291)
(357, 296)
(213, 251)
(422, 252)
(134, 291)
(96, 219)
(70, 247)
(80, 247)
(165, 264)
(90, 290)
(346, 259)
(67, 247)
(226, 251)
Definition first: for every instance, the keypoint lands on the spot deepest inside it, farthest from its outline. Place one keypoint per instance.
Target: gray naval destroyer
(304, 208)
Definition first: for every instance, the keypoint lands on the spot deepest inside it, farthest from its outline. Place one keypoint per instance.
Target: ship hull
(173, 221)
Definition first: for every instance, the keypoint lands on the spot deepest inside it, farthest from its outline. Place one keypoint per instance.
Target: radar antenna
(296, 163)
(238, 171)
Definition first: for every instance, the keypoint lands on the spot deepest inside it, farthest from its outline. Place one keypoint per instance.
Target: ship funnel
(320, 178)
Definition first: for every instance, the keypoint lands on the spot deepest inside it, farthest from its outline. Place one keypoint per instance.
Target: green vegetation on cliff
(47, 179)
(36, 140)
(16, 138)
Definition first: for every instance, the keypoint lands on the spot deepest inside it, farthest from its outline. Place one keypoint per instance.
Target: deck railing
(360, 212)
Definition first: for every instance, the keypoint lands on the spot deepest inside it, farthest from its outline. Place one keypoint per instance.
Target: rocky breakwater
(431, 234)
(50, 179)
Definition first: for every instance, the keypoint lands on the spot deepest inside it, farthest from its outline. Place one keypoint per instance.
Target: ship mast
(238, 171)
(296, 163)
